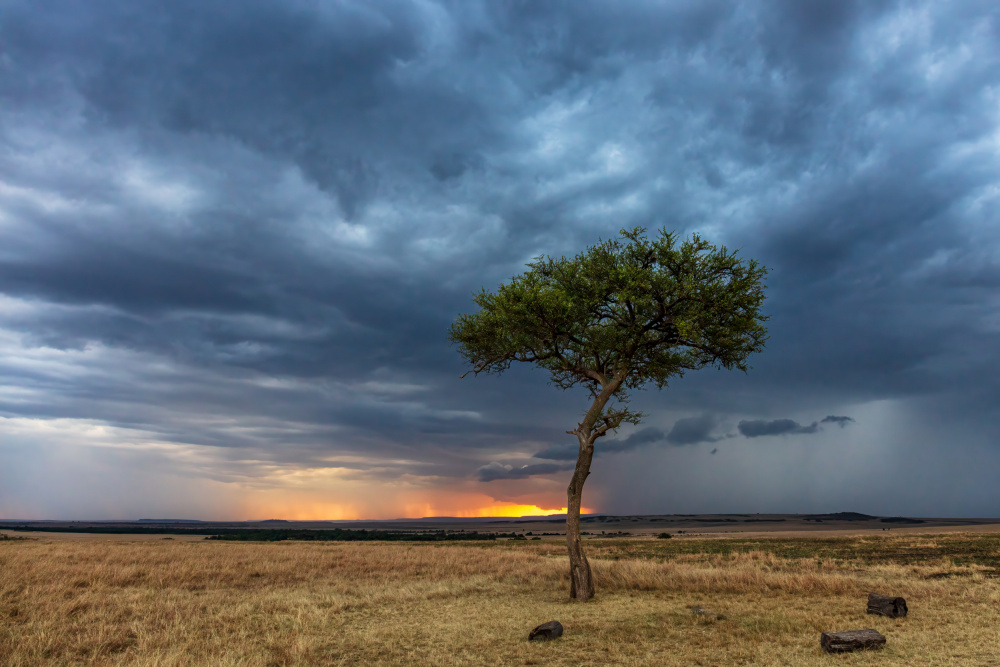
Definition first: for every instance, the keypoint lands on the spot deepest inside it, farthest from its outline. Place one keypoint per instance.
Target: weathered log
(546, 631)
(886, 605)
(851, 640)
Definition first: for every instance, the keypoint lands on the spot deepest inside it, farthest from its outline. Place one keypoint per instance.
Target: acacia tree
(621, 315)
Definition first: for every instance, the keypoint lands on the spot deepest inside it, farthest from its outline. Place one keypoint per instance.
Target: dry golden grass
(222, 603)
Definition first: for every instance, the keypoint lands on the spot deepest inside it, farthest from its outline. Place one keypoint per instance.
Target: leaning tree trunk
(581, 585)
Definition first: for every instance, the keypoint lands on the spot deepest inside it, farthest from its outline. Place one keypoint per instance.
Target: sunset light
(314, 505)
(512, 510)
(332, 512)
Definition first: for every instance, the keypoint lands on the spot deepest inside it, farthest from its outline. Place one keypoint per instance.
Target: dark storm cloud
(641, 437)
(251, 231)
(687, 431)
(494, 471)
(756, 428)
(563, 452)
(692, 430)
(569, 451)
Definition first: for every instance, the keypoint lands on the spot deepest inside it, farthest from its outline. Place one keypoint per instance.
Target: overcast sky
(232, 239)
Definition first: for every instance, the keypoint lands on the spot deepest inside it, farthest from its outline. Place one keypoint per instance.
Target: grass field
(172, 602)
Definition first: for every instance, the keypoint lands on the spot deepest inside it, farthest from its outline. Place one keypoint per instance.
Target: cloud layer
(230, 247)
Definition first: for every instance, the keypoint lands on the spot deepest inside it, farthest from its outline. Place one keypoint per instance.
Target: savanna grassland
(174, 602)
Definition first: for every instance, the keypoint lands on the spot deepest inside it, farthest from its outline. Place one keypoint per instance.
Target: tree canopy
(641, 310)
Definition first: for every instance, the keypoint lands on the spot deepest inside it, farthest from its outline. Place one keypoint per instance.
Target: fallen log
(886, 605)
(851, 640)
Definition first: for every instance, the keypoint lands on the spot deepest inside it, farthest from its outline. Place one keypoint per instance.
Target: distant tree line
(272, 534)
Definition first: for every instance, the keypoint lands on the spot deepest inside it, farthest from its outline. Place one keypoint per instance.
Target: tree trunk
(581, 587)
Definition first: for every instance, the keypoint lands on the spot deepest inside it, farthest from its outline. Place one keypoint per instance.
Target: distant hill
(840, 516)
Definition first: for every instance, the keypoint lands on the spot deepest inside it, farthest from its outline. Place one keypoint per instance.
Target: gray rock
(701, 611)
(886, 605)
(546, 631)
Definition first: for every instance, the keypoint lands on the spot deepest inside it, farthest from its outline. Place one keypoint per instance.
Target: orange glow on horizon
(512, 510)
(293, 510)
(326, 512)
(307, 507)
